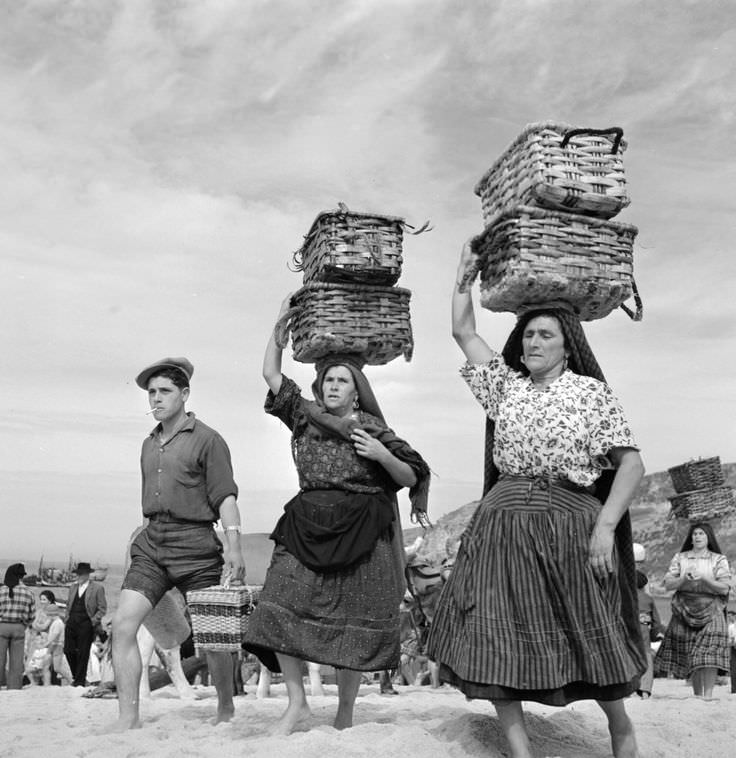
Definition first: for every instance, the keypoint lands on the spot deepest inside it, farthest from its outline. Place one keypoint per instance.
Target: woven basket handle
(617, 130)
(639, 313)
(283, 325)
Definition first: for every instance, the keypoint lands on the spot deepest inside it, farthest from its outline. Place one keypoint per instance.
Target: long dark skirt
(522, 616)
(347, 619)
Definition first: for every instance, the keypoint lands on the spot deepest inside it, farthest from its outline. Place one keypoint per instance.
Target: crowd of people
(45, 642)
(544, 602)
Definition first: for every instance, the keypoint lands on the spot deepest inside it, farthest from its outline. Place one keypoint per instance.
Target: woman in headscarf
(17, 608)
(695, 644)
(541, 603)
(333, 590)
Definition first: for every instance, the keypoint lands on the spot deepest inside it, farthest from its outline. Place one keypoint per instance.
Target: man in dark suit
(84, 609)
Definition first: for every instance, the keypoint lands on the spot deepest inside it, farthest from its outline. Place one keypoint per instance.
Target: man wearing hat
(187, 486)
(85, 607)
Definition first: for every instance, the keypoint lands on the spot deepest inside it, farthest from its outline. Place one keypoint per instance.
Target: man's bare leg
(133, 607)
(297, 710)
(220, 665)
(315, 679)
(348, 684)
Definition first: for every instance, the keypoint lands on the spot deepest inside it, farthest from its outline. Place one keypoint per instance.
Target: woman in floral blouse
(695, 644)
(333, 590)
(541, 604)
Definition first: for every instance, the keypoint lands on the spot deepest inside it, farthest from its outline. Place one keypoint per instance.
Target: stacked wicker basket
(701, 491)
(547, 204)
(349, 302)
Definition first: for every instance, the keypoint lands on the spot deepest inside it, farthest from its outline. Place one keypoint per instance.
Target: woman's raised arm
(272, 357)
(463, 316)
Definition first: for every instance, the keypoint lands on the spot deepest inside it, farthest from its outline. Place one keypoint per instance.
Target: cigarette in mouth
(153, 410)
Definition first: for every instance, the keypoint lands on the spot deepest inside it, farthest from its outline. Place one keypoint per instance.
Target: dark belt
(167, 518)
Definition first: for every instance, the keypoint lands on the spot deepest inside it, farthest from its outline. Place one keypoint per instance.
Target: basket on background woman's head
(697, 474)
(703, 505)
(555, 165)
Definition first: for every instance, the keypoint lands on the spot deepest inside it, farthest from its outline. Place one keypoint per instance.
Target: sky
(162, 160)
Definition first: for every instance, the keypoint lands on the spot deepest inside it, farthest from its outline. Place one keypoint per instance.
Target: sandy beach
(59, 722)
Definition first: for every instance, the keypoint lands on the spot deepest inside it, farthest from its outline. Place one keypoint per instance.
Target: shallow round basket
(697, 474)
(703, 505)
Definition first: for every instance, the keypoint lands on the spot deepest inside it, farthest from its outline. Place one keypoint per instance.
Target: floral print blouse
(564, 431)
(325, 461)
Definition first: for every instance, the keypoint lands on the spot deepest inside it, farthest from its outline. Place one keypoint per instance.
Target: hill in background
(652, 527)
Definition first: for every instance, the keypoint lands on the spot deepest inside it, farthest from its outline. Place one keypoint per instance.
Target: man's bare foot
(225, 713)
(289, 719)
(121, 725)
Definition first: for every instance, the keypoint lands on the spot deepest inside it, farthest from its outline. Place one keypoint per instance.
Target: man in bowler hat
(188, 485)
(84, 609)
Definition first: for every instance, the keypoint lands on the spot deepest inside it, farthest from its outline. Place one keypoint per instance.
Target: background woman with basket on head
(333, 589)
(696, 643)
(541, 603)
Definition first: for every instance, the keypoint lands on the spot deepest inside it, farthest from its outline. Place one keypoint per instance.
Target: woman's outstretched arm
(463, 316)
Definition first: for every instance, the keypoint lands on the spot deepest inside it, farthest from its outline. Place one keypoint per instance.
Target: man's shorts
(170, 553)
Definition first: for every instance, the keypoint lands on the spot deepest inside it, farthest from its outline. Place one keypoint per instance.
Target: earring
(564, 364)
(356, 404)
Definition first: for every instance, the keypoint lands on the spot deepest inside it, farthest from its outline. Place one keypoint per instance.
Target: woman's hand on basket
(368, 446)
(601, 552)
(285, 305)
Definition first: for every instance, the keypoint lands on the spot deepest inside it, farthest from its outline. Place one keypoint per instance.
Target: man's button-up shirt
(189, 475)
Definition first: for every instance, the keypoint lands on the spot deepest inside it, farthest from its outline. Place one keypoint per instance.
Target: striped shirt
(19, 609)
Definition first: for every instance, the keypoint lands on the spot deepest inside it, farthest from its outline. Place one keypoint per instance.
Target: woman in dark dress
(541, 603)
(333, 590)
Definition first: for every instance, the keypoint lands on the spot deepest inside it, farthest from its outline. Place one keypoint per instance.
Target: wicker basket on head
(344, 246)
(220, 615)
(531, 255)
(702, 505)
(556, 166)
(372, 322)
(697, 475)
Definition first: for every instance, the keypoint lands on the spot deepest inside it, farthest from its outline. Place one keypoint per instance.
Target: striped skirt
(522, 616)
(685, 648)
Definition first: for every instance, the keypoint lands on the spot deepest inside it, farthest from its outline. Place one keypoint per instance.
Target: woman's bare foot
(121, 725)
(344, 718)
(623, 743)
(293, 714)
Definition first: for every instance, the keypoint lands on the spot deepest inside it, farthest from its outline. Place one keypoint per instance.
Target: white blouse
(711, 565)
(564, 431)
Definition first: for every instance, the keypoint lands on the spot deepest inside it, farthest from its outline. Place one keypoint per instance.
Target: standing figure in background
(188, 485)
(541, 601)
(732, 643)
(695, 645)
(17, 607)
(84, 609)
(55, 644)
(651, 629)
(651, 625)
(334, 587)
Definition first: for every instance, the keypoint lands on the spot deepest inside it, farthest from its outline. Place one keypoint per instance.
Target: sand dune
(58, 722)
